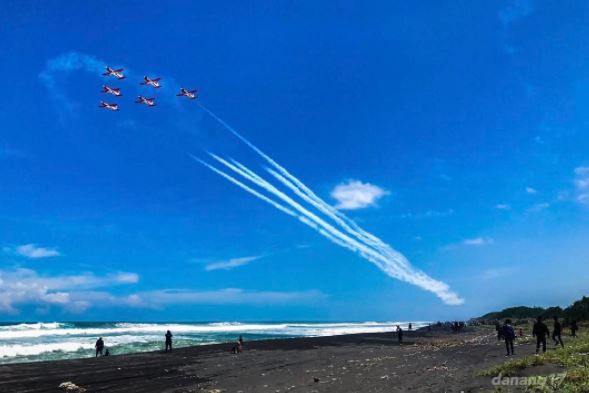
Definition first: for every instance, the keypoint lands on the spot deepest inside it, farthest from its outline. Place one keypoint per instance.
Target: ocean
(28, 342)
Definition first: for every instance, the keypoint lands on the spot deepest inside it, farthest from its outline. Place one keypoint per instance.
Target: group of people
(100, 347)
(540, 331)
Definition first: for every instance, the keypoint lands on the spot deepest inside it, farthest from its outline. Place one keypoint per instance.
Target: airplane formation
(147, 81)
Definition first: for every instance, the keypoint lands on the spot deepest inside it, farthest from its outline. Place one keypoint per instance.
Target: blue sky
(456, 134)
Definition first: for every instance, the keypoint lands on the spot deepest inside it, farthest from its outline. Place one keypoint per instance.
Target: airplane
(146, 101)
(151, 82)
(106, 105)
(116, 73)
(111, 90)
(192, 94)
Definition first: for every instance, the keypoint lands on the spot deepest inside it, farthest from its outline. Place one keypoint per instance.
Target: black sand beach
(434, 361)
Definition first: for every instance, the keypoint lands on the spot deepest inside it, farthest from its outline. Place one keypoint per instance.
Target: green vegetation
(574, 358)
(578, 311)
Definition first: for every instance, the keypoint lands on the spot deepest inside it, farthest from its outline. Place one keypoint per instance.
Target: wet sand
(435, 361)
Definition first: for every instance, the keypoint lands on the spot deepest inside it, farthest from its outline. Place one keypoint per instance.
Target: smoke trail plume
(342, 230)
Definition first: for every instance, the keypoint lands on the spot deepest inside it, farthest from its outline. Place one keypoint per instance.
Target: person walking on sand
(399, 334)
(509, 336)
(540, 331)
(168, 341)
(556, 332)
(99, 346)
(574, 328)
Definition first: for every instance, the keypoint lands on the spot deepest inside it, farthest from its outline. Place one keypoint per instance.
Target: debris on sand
(71, 387)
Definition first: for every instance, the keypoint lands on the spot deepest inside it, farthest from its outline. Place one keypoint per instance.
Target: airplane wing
(119, 70)
(156, 79)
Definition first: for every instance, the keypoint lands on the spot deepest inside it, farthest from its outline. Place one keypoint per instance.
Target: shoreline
(374, 362)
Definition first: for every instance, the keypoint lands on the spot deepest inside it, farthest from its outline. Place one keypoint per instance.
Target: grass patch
(574, 357)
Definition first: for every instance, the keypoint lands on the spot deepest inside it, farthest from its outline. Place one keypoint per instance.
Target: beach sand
(436, 361)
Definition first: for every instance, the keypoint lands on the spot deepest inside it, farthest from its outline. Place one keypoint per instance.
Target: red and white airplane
(116, 73)
(106, 105)
(192, 94)
(146, 101)
(115, 91)
(151, 82)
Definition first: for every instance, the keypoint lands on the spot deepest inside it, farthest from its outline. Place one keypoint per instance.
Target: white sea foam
(41, 341)
(38, 349)
(295, 329)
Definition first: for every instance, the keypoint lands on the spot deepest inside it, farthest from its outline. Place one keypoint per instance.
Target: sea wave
(59, 340)
(38, 349)
(290, 329)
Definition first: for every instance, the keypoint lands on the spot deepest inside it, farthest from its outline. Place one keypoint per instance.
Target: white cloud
(531, 190)
(478, 241)
(356, 195)
(78, 293)
(503, 206)
(231, 263)
(126, 278)
(27, 287)
(227, 296)
(471, 242)
(34, 252)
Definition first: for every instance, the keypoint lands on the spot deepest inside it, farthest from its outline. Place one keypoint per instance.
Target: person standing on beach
(556, 332)
(498, 330)
(99, 346)
(168, 341)
(509, 336)
(574, 328)
(399, 334)
(540, 331)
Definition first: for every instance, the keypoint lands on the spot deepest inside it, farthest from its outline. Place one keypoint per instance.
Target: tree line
(578, 311)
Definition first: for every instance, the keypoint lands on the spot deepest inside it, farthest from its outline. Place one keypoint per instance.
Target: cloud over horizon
(22, 286)
(32, 251)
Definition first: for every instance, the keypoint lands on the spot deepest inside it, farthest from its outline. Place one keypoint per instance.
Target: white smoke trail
(367, 245)
(324, 207)
(397, 267)
(246, 188)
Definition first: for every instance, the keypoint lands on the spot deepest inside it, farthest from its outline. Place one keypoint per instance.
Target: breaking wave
(57, 340)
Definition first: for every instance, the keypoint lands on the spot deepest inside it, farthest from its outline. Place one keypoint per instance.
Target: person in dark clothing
(574, 328)
(509, 336)
(399, 334)
(499, 331)
(99, 346)
(169, 341)
(556, 332)
(540, 331)
(410, 326)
